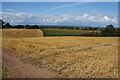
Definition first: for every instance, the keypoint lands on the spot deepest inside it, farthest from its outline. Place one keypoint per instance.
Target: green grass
(63, 32)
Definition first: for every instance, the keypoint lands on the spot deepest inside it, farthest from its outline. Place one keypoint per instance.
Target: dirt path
(17, 69)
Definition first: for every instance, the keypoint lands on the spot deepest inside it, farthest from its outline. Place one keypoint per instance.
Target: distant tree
(32, 27)
(1, 23)
(27, 26)
(7, 25)
(89, 28)
(108, 31)
(77, 28)
(19, 26)
(36, 27)
(110, 28)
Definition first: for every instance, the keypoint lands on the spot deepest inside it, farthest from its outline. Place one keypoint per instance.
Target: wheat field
(21, 33)
(70, 57)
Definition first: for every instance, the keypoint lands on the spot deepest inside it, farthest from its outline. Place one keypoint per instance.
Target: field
(64, 32)
(21, 33)
(70, 57)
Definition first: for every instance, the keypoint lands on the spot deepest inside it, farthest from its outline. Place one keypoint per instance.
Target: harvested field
(70, 57)
(21, 33)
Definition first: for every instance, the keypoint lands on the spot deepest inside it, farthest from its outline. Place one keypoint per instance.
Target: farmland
(21, 33)
(64, 32)
(70, 57)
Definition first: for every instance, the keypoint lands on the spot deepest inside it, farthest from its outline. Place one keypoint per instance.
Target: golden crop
(21, 33)
(71, 57)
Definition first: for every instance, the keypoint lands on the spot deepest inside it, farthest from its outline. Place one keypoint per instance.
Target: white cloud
(66, 5)
(63, 19)
(106, 18)
(11, 10)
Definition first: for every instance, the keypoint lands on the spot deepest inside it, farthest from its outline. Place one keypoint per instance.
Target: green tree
(110, 28)
(27, 26)
(108, 31)
(7, 25)
(1, 23)
(36, 27)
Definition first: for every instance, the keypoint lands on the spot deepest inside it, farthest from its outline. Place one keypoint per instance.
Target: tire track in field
(67, 47)
(89, 48)
(44, 57)
(55, 55)
(74, 51)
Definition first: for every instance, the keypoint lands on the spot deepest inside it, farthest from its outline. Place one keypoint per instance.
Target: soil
(18, 69)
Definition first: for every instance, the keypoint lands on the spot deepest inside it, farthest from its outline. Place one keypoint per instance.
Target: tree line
(5, 25)
(109, 30)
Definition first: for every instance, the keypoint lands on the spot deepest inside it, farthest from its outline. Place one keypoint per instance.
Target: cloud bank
(96, 20)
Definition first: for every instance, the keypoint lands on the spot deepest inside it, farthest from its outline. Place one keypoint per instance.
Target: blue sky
(61, 13)
(60, 0)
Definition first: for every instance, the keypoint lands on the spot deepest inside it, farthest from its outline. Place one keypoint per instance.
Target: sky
(96, 14)
(60, 0)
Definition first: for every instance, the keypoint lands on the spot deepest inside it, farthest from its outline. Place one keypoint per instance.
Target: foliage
(7, 25)
(110, 31)
(19, 26)
(92, 34)
(32, 27)
(1, 23)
